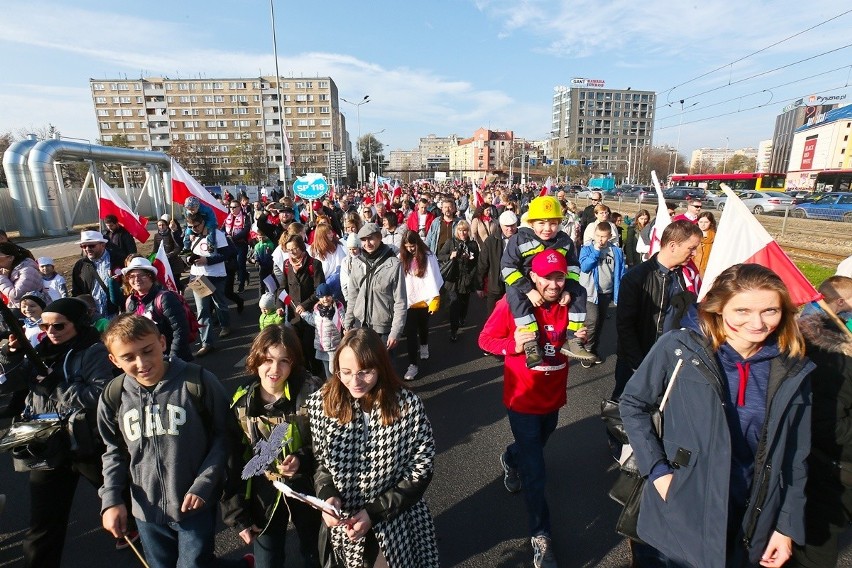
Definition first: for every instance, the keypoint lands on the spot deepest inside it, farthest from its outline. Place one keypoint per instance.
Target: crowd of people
(341, 284)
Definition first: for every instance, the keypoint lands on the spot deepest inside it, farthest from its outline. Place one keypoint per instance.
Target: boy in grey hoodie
(163, 442)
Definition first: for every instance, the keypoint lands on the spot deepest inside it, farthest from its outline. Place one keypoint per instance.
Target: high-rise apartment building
(606, 126)
(486, 151)
(226, 130)
(435, 151)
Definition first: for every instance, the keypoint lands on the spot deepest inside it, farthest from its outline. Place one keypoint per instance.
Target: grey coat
(690, 526)
(380, 304)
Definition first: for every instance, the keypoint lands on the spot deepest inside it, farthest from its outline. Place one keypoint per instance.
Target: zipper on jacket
(762, 490)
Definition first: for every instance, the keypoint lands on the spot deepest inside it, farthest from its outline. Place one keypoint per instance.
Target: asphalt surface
(479, 524)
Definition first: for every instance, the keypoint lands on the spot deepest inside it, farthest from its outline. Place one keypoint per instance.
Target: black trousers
(458, 306)
(416, 332)
(491, 302)
(230, 277)
(595, 318)
(51, 496)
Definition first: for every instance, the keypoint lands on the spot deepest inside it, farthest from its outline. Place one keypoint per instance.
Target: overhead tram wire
(767, 89)
(761, 50)
(704, 119)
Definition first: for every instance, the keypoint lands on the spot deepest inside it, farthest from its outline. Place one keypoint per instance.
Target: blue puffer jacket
(691, 525)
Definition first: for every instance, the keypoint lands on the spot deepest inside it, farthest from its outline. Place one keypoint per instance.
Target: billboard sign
(808, 153)
(584, 83)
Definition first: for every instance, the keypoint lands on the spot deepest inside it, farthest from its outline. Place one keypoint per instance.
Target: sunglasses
(89, 246)
(55, 326)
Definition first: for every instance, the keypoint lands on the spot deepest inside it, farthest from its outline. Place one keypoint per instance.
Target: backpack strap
(112, 393)
(195, 388)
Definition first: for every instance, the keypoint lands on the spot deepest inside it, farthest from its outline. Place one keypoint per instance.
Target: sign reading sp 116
(310, 186)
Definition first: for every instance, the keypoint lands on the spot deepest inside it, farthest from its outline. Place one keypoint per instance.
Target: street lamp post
(725, 158)
(370, 148)
(357, 106)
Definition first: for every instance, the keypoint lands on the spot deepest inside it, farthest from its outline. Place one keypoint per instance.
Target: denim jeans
(184, 544)
(595, 317)
(242, 255)
(526, 453)
(205, 305)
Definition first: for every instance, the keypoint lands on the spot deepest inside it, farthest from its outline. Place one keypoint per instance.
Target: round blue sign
(310, 186)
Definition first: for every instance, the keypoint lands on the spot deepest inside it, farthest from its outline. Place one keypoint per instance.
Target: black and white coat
(384, 470)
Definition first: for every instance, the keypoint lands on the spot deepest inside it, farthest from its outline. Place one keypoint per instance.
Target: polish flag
(184, 185)
(285, 298)
(164, 270)
(397, 191)
(111, 204)
(477, 195)
(545, 189)
(741, 239)
(379, 196)
(663, 218)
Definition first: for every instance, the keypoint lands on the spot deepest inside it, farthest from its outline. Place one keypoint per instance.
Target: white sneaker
(411, 373)
(424, 352)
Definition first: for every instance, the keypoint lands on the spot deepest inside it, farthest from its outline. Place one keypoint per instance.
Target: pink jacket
(24, 278)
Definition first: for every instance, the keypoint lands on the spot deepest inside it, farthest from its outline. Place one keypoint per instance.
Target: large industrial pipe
(47, 189)
(21, 188)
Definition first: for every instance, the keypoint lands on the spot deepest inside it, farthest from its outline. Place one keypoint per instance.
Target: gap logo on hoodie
(154, 422)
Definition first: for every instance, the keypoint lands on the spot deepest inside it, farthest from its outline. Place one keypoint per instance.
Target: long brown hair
(745, 278)
(371, 353)
(413, 238)
(640, 213)
(325, 241)
(276, 335)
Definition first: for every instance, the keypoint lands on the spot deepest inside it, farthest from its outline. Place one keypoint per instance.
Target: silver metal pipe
(20, 186)
(47, 188)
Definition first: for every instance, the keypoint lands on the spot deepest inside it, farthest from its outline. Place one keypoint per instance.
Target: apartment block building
(604, 125)
(486, 151)
(226, 130)
(704, 160)
(404, 164)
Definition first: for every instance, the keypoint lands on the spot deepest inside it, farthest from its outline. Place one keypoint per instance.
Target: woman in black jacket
(276, 396)
(301, 276)
(465, 251)
(634, 237)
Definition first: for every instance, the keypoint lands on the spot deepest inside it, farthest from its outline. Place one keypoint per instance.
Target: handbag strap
(670, 385)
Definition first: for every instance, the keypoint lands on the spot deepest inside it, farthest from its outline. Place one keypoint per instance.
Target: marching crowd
(751, 467)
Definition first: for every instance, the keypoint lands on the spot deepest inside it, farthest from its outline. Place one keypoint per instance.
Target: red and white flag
(662, 220)
(478, 200)
(397, 191)
(741, 239)
(184, 185)
(285, 298)
(545, 189)
(111, 204)
(164, 270)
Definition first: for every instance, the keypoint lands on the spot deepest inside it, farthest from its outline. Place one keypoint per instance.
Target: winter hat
(192, 202)
(75, 310)
(352, 241)
(323, 290)
(45, 261)
(38, 297)
(267, 301)
(368, 230)
(508, 218)
(166, 217)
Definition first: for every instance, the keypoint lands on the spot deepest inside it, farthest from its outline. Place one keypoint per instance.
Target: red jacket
(541, 390)
(413, 221)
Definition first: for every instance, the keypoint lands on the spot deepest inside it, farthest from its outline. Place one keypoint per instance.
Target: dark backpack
(194, 326)
(195, 386)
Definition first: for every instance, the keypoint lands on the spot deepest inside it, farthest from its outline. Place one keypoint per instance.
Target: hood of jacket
(821, 331)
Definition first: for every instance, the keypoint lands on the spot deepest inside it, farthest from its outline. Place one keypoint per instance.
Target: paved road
(479, 524)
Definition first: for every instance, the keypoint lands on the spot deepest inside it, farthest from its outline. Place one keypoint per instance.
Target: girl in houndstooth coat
(374, 449)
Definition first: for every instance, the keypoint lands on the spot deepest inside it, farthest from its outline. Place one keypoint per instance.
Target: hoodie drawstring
(743, 369)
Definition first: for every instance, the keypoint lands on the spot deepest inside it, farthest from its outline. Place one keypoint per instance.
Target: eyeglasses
(695, 206)
(361, 375)
(234, 206)
(139, 274)
(55, 326)
(595, 200)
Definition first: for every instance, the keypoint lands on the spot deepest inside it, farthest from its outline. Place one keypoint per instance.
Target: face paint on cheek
(732, 328)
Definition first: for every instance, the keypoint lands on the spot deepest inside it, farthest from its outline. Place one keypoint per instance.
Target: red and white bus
(737, 182)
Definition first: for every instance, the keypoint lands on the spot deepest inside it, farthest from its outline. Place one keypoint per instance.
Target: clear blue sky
(439, 66)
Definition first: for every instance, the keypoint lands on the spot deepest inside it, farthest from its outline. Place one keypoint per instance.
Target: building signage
(808, 153)
(821, 100)
(791, 106)
(588, 83)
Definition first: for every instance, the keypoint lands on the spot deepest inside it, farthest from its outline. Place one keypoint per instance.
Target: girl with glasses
(374, 449)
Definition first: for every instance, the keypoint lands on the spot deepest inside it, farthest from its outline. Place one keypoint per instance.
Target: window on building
(98, 86)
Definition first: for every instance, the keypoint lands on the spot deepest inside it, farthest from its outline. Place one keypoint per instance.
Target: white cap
(508, 218)
(139, 263)
(352, 241)
(166, 217)
(45, 260)
(91, 237)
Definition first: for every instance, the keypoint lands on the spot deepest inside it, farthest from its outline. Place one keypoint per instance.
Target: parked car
(678, 196)
(635, 193)
(759, 202)
(834, 206)
(574, 189)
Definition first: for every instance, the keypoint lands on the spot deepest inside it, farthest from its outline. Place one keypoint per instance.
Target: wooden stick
(136, 550)
(825, 307)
